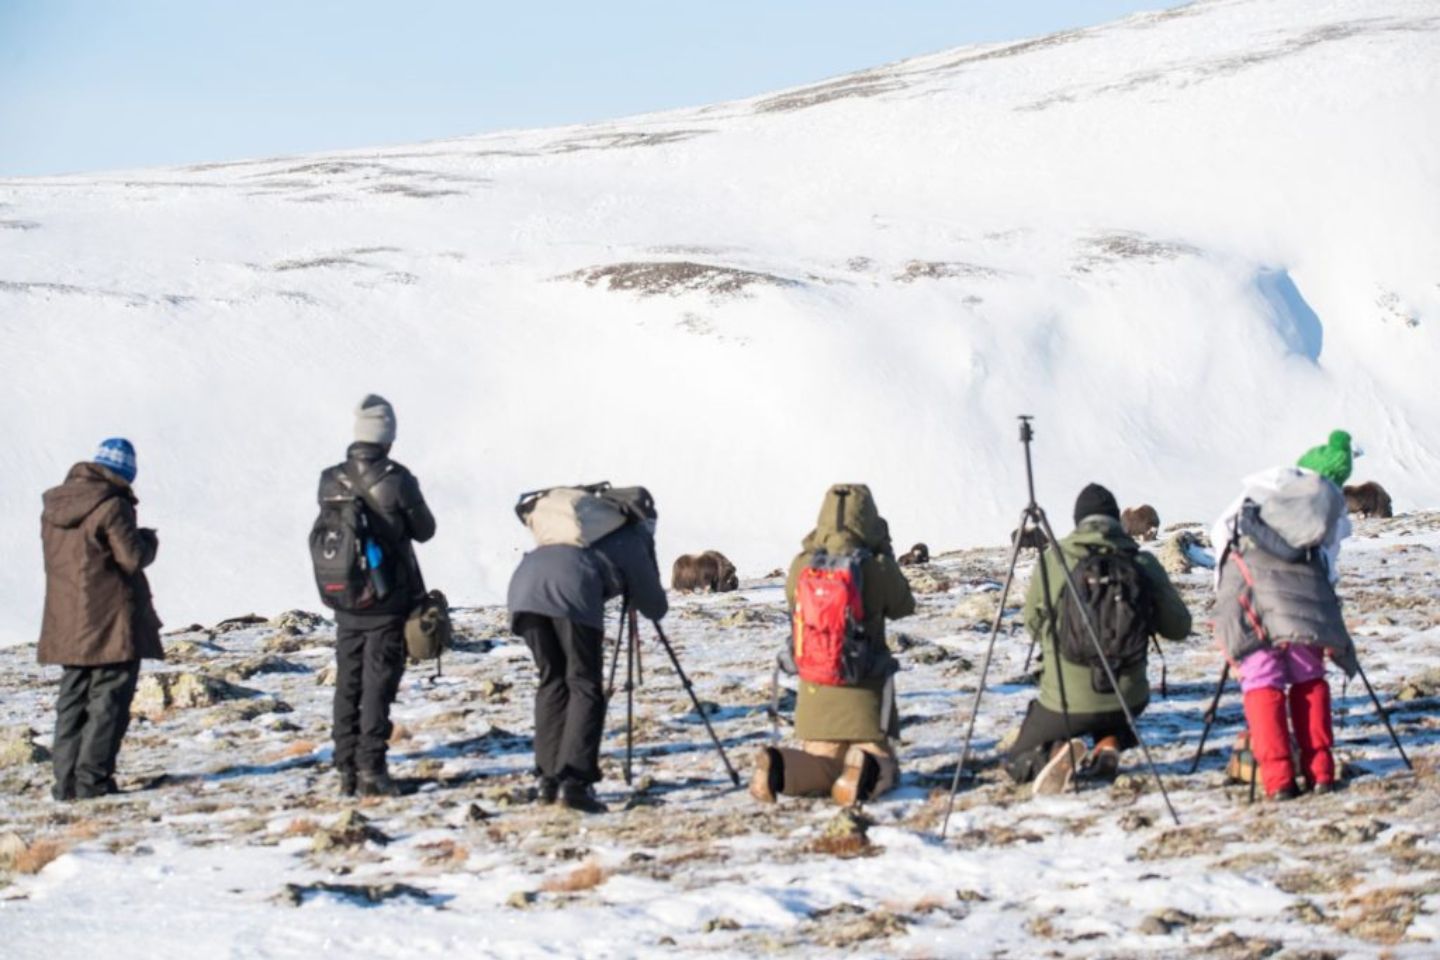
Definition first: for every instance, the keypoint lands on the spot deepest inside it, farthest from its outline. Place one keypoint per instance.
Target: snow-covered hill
(1190, 242)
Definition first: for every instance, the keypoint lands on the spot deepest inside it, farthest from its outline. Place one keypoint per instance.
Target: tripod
(1033, 514)
(628, 636)
(1220, 689)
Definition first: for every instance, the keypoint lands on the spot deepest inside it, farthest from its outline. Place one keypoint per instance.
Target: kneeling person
(1074, 682)
(845, 709)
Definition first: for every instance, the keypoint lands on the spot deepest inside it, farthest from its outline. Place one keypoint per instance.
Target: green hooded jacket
(1333, 461)
(852, 713)
(1171, 616)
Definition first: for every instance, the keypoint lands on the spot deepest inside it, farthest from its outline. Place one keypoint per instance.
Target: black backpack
(1113, 591)
(343, 573)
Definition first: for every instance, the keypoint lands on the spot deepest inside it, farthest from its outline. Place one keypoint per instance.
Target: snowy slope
(1190, 242)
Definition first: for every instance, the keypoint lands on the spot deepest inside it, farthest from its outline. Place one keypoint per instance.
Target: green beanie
(1332, 461)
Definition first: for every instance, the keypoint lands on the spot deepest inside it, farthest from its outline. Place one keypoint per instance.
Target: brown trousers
(814, 768)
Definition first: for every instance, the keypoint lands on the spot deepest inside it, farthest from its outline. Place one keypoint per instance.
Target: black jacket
(575, 582)
(402, 517)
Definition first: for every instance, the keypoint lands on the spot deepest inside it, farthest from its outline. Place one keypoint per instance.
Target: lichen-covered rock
(977, 608)
(18, 746)
(924, 580)
(1173, 556)
(243, 711)
(158, 693)
(12, 848)
(300, 621)
(351, 829)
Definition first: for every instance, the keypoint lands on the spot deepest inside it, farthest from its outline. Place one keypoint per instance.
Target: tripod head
(1027, 432)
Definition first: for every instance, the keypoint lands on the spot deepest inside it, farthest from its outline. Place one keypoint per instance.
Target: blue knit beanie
(119, 456)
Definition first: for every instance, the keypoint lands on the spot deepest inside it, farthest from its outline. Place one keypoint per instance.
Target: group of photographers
(1276, 613)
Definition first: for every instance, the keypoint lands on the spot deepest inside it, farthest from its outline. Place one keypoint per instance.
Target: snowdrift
(1190, 243)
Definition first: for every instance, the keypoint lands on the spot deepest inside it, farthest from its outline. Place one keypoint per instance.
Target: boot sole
(1055, 777)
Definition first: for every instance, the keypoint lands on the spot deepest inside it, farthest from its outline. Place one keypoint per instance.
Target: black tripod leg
(1109, 673)
(690, 689)
(1254, 769)
(980, 689)
(615, 659)
(1383, 715)
(1053, 625)
(1164, 671)
(1210, 715)
(630, 697)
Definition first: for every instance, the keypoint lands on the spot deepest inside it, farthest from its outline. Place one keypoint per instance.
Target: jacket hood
(1099, 530)
(849, 519)
(86, 487)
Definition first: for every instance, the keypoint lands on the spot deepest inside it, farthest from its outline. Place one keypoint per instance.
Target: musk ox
(917, 555)
(1368, 499)
(710, 572)
(1033, 538)
(1141, 522)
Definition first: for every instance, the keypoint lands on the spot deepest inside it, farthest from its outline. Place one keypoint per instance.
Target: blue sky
(112, 84)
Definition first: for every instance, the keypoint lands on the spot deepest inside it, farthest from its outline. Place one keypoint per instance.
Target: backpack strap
(350, 476)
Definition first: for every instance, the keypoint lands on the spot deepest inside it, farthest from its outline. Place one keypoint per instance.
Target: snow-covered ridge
(1190, 242)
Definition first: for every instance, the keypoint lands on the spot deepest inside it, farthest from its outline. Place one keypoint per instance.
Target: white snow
(1191, 242)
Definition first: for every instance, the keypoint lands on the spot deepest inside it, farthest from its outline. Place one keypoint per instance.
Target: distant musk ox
(1368, 499)
(710, 572)
(1033, 538)
(1141, 522)
(917, 555)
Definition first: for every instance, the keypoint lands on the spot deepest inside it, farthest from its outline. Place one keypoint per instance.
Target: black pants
(570, 704)
(369, 662)
(92, 714)
(1043, 728)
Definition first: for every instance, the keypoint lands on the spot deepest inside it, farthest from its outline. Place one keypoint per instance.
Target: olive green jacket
(1172, 620)
(853, 713)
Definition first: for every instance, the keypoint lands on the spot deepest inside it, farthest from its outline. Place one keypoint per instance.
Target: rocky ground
(229, 836)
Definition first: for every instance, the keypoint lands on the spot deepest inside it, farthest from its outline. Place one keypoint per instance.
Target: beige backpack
(573, 516)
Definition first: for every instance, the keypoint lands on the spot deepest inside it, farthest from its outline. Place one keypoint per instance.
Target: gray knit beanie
(375, 421)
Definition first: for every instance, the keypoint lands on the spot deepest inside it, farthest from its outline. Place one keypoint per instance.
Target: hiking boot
(547, 791)
(1325, 787)
(857, 782)
(1287, 792)
(376, 783)
(63, 792)
(1056, 776)
(347, 782)
(1103, 763)
(575, 795)
(92, 791)
(768, 780)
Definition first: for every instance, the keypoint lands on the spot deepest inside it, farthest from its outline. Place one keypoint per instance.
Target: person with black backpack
(371, 511)
(1130, 599)
(843, 585)
(593, 544)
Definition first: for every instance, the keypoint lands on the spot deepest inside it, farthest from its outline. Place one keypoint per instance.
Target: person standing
(99, 619)
(370, 643)
(557, 606)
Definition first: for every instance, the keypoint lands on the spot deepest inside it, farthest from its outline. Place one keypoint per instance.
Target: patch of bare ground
(1122, 245)
(676, 277)
(855, 85)
(942, 270)
(624, 140)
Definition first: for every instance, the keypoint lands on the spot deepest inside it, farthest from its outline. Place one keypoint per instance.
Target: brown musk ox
(1368, 499)
(709, 572)
(1141, 523)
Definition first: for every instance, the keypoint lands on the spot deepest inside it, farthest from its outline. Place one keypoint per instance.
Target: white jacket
(1259, 486)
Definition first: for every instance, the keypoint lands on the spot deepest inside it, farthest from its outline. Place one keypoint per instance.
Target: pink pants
(1276, 668)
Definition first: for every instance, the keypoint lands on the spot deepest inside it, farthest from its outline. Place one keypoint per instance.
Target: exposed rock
(243, 711)
(719, 923)
(326, 675)
(158, 693)
(925, 580)
(522, 899)
(1173, 556)
(1420, 686)
(488, 689)
(299, 621)
(12, 847)
(977, 608)
(295, 894)
(351, 829)
(18, 747)
(242, 622)
(1162, 922)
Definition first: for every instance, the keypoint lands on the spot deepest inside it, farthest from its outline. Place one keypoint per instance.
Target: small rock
(1134, 820)
(977, 608)
(242, 622)
(243, 711)
(1163, 922)
(719, 923)
(522, 899)
(492, 690)
(923, 580)
(302, 621)
(11, 849)
(326, 676)
(351, 829)
(18, 747)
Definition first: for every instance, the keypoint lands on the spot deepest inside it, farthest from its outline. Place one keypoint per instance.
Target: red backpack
(828, 634)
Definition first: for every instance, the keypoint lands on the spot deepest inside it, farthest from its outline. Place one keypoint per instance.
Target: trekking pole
(1344, 692)
(1383, 715)
(690, 689)
(1210, 715)
(980, 689)
(1109, 673)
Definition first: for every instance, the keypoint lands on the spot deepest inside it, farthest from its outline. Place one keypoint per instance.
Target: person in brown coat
(99, 618)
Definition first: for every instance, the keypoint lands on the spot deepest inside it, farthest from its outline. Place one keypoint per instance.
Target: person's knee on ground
(870, 770)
